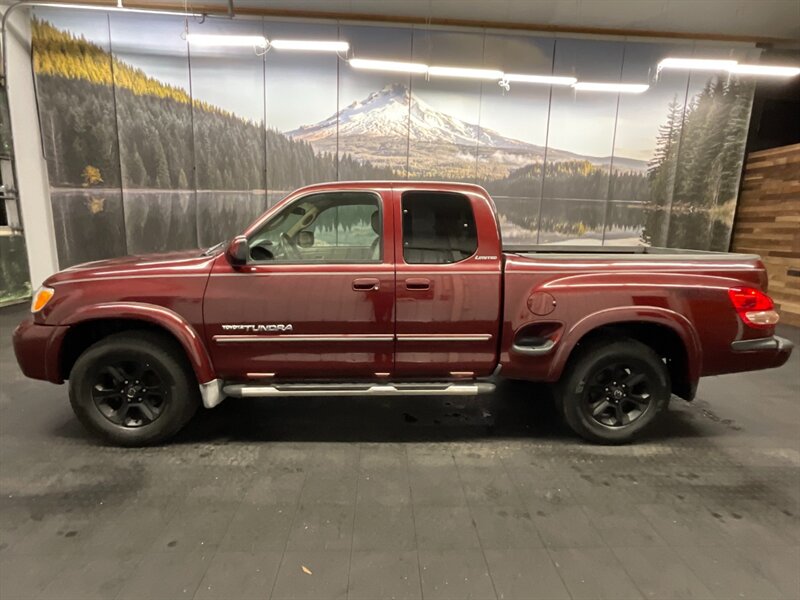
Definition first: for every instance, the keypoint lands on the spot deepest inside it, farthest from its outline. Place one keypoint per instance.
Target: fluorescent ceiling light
(467, 73)
(547, 79)
(106, 8)
(697, 64)
(388, 65)
(209, 39)
(772, 70)
(624, 88)
(314, 45)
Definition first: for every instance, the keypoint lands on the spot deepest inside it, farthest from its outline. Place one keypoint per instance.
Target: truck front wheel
(133, 388)
(612, 390)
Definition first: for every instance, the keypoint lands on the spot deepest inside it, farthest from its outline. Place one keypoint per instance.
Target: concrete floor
(422, 497)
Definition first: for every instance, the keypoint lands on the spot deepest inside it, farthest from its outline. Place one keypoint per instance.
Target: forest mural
(153, 145)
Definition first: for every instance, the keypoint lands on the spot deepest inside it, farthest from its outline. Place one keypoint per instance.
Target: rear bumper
(38, 348)
(765, 352)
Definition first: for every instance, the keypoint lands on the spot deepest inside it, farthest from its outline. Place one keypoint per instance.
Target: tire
(590, 389)
(164, 392)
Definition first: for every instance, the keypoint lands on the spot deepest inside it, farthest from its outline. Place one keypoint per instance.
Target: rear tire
(613, 390)
(133, 388)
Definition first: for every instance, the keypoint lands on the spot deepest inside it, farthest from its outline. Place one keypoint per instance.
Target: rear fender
(159, 316)
(636, 314)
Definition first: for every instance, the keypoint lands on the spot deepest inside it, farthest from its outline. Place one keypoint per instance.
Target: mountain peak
(380, 127)
(394, 113)
(394, 92)
(394, 89)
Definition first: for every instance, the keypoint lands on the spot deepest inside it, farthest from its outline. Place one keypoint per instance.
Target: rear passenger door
(448, 282)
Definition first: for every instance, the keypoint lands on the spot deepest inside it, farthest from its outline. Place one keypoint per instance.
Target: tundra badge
(252, 328)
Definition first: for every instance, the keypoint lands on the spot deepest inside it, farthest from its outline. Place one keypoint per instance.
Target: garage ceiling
(746, 19)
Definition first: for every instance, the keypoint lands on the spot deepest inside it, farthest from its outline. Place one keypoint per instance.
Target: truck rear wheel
(612, 390)
(133, 388)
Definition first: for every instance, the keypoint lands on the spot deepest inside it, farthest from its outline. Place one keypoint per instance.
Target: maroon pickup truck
(394, 288)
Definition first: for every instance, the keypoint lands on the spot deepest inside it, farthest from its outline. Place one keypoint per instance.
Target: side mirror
(238, 251)
(305, 239)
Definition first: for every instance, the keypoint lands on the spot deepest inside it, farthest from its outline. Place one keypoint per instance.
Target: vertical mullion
(546, 146)
(613, 149)
(116, 130)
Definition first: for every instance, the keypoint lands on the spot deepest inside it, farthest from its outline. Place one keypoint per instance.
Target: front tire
(133, 388)
(613, 390)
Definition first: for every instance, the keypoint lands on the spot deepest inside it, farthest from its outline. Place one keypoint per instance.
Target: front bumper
(38, 350)
(766, 352)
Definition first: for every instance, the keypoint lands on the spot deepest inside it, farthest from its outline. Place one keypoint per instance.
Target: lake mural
(156, 145)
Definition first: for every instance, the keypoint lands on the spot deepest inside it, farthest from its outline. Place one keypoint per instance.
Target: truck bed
(651, 252)
(574, 289)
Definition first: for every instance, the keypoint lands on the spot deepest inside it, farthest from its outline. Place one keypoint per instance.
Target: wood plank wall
(768, 222)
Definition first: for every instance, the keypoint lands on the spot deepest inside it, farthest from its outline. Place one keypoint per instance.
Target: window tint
(336, 227)
(438, 228)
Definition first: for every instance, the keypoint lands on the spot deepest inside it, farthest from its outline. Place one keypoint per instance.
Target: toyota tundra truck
(394, 288)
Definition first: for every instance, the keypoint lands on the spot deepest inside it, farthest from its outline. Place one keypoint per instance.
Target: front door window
(326, 228)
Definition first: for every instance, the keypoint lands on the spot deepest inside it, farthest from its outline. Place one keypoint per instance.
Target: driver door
(316, 298)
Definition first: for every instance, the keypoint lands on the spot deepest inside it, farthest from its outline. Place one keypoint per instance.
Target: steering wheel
(289, 246)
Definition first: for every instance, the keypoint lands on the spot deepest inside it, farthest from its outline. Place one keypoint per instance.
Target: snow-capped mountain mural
(380, 128)
(149, 151)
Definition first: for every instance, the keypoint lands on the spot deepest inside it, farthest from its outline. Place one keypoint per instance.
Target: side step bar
(244, 390)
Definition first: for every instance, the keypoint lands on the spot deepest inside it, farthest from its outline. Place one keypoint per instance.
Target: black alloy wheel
(134, 388)
(612, 389)
(130, 393)
(617, 395)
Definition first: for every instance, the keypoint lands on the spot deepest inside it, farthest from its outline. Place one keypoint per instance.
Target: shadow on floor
(515, 411)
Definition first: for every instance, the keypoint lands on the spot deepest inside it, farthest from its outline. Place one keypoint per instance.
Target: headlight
(41, 298)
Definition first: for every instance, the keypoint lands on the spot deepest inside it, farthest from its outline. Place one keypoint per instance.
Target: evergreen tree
(162, 168)
(183, 183)
(661, 172)
(136, 175)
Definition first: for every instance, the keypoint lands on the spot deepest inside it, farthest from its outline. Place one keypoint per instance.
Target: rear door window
(438, 228)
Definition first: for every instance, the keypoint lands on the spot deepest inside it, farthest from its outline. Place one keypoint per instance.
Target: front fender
(637, 314)
(169, 320)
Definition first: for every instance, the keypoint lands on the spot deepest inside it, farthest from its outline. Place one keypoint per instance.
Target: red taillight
(755, 308)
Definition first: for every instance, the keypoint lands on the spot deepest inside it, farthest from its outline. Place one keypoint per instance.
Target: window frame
(381, 244)
(441, 193)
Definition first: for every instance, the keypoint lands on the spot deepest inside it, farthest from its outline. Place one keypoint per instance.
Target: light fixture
(312, 45)
(388, 65)
(771, 70)
(546, 79)
(212, 39)
(623, 88)
(466, 73)
(697, 64)
(106, 8)
(732, 66)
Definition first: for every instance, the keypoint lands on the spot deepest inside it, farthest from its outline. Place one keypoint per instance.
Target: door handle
(418, 283)
(366, 284)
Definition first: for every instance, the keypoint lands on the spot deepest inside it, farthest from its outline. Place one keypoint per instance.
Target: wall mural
(153, 145)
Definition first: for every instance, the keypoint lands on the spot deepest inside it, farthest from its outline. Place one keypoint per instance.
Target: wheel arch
(669, 333)
(93, 323)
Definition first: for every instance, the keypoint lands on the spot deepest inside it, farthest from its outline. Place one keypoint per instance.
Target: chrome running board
(248, 390)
